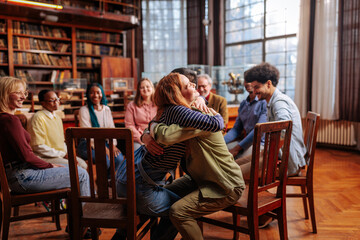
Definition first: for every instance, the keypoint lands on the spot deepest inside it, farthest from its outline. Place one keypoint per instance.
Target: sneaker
(264, 221)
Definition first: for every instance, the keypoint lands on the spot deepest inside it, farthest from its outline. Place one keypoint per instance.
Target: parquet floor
(337, 202)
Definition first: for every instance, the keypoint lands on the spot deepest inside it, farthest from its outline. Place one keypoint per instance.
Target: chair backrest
(99, 188)
(4, 191)
(76, 118)
(310, 134)
(264, 177)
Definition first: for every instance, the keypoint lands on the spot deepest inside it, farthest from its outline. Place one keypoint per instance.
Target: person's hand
(213, 111)
(116, 151)
(57, 165)
(235, 150)
(153, 147)
(200, 104)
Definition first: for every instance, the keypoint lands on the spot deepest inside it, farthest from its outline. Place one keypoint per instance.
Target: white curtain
(325, 75)
(301, 85)
(325, 80)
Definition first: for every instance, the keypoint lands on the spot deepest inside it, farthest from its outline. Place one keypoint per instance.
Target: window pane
(164, 35)
(245, 22)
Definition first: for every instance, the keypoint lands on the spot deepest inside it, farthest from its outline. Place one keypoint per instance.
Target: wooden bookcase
(3, 49)
(47, 53)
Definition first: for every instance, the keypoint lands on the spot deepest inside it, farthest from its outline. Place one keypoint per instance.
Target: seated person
(217, 102)
(47, 132)
(25, 172)
(97, 114)
(141, 111)
(251, 111)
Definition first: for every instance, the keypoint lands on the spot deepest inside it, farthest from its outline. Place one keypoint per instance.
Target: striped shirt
(184, 117)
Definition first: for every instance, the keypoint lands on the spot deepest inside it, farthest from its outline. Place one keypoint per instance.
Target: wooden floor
(337, 202)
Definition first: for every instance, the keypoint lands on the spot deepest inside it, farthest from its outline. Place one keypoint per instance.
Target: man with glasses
(217, 102)
(47, 132)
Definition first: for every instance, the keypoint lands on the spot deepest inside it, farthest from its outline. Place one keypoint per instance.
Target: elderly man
(217, 102)
(47, 132)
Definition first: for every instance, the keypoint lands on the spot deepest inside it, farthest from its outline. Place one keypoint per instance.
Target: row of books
(88, 62)
(24, 74)
(55, 76)
(99, 36)
(3, 57)
(90, 76)
(89, 48)
(38, 44)
(58, 76)
(41, 58)
(36, 29)
(2, 42)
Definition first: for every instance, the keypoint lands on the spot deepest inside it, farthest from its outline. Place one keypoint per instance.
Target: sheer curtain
(324, 97)
(325, 68)
(301, 84)
(164, 36)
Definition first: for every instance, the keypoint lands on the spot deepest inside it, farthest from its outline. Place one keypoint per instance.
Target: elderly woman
(24, 170)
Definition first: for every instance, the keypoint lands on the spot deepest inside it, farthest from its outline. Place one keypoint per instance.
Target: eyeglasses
(54, 100)
(19, 93)
(202, 86)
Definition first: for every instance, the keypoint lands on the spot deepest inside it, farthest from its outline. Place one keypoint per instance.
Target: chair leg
(312, 206)
(306, 211)
(281, 213)
(236, 222)
(253, 225)
(56, 204)
(5, 222)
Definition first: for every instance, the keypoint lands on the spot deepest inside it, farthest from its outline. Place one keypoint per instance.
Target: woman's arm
(169, 135)
(130, 121)
(186, 117)
(16, 136)
(84, 117)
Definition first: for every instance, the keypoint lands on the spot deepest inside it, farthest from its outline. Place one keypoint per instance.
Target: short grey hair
(207, 77)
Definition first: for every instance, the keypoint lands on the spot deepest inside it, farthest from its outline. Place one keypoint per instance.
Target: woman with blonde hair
(141, 111)
(24, 170)
(171, 96)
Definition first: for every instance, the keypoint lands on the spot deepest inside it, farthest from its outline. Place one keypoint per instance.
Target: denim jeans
(82, 152)
(29, 180)
(151, 200)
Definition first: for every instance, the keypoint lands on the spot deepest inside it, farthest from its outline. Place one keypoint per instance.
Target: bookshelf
(3, 49)
(43, 53)
(91, 46)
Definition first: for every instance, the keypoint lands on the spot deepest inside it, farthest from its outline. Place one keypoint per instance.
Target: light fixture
(38, 4)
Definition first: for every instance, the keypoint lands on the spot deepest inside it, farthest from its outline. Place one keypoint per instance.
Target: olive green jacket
(210, 164)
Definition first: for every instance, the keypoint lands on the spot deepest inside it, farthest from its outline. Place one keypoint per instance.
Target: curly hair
(262, 73)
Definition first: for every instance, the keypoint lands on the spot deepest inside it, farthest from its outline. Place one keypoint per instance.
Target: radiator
(336, 132)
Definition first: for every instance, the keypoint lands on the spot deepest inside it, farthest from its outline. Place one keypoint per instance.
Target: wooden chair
(11, 200)
(305, 178)
(265, 194)
(103, 208)
(76, 118)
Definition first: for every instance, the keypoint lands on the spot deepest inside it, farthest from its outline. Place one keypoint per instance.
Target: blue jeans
(82, 152)
(151, 200)
(29, 180)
